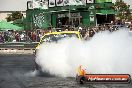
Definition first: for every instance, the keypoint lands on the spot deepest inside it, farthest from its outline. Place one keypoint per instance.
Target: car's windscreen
(56, 37)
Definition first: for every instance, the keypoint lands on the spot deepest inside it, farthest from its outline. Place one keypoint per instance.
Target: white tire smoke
(105, 53)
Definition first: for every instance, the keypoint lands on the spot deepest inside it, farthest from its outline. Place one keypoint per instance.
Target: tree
(123, 12)
(15, 15)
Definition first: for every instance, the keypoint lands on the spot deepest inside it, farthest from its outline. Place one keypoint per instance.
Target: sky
(21, 5)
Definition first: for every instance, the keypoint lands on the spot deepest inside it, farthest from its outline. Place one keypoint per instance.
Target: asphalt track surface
(16, 71)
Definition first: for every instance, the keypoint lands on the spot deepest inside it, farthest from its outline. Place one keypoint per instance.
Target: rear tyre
(82, 80)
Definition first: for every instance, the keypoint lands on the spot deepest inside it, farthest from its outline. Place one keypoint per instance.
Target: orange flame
(81, 71)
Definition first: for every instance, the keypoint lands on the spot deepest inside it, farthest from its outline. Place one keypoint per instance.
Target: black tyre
(82, 80)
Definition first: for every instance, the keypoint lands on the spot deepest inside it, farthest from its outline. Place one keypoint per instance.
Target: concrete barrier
(19, 45)
(17, 50)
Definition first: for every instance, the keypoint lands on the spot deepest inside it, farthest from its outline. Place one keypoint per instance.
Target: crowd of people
(35, 36)
(89, 32)
(21, 36)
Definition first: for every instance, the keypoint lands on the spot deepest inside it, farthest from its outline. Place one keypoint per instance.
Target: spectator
(59, 25)
(76, 23)
(33, 36)
(22, 37)
(17, 37)
(1, 38)
(6, 36)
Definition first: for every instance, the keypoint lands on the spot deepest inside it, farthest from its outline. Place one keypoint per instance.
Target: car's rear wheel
(80, 79)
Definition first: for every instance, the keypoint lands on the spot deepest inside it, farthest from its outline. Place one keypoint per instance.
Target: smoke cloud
(105, 53)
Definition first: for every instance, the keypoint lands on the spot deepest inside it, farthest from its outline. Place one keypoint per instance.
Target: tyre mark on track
(16, 79)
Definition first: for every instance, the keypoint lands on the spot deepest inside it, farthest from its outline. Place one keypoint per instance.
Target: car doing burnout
(54, 37)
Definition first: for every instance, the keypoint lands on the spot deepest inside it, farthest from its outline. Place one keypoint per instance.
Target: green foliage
(123, 12)
(15, 15)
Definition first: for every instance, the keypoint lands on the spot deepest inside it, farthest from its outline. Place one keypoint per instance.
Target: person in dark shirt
(91, 33)
(76, 23)
(1, 38)
(59, 25)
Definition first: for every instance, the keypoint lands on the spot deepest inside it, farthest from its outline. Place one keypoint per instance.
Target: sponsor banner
(66, 2)
(91, 7)
(84, 2)
(36, 4)
(41, 20)
(92, 18)
(63, 15)
(43, 4)
(30, 5)
(40, 4)
(72, 15)
(73, 2)
(90, 1)
(59, 2)
(51, 3)
(119, 78)
(102, 1)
